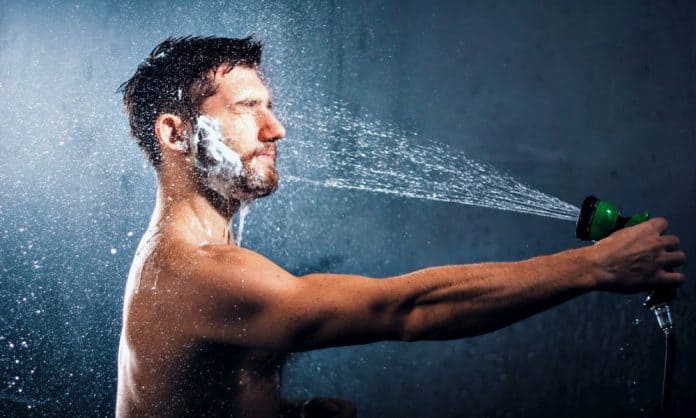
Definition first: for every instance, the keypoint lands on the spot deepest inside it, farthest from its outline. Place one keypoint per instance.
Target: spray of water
(243, 212)
(338, 149)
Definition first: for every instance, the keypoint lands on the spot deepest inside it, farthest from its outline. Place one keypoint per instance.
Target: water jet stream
(351, 152)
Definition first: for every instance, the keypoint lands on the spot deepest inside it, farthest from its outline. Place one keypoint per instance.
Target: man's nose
(272, 129)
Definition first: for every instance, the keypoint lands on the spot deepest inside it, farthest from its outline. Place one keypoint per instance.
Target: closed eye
(252, 104)
(249, 103)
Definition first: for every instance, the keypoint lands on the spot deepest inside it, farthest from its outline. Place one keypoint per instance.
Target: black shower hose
(668, 378)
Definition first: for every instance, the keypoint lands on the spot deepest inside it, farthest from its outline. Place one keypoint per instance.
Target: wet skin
(206, 323)
(170, 363)
(168, 366)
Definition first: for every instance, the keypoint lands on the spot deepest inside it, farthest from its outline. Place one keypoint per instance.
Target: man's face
(234, 138)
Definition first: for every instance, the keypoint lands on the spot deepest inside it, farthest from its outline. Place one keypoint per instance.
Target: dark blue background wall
(572, 98)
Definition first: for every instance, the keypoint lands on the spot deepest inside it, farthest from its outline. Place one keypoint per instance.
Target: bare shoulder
(229, 253)
(177, 268)
(167, 252)
(231, 264)
(179, 286)
(228, 292)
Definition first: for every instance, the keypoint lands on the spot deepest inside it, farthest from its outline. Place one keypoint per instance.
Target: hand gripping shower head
(598, 219)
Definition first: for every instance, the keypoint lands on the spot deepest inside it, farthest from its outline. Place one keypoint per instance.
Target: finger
(670, 242)
(671, 277)
(660, 224)
(671, 259)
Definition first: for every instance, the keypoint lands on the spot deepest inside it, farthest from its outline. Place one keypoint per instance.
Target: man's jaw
(258, 178)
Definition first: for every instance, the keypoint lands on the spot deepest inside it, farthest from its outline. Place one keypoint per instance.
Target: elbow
(406, 320)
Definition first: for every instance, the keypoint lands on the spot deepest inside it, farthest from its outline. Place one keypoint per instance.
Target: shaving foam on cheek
(220, 165)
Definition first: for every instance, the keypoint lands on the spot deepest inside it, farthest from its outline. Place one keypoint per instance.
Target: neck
(202, 216)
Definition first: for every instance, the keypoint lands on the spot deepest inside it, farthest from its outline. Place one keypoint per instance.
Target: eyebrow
(252, 98)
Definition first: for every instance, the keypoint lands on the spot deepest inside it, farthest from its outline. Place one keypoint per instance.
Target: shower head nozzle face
(598, 219)
(587, 212)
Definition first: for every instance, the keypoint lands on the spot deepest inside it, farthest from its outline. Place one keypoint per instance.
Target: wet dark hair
(174, 78)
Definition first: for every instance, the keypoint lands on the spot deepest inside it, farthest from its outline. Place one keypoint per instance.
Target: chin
(265, 185)
(255, 185)
(249, 186)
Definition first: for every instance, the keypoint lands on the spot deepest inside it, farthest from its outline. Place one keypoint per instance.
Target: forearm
(458, 301)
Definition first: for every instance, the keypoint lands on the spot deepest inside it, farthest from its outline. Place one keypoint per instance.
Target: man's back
(166, 366)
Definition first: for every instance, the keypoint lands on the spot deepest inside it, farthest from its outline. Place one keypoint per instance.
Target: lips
(270, 153)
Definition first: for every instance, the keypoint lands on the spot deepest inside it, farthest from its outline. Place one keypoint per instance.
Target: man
(206, 323)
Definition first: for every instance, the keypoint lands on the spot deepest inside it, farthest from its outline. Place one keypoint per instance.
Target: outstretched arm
(255, 303)
(466, 300)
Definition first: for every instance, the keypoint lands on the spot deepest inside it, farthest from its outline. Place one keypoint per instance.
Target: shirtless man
(206, 323)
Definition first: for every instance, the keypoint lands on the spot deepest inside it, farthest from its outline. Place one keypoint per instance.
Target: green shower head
(599, 218)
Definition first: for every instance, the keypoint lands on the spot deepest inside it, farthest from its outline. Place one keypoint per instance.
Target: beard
(225, 172)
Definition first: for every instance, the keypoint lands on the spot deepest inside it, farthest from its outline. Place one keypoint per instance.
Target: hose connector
(658, 302)
(663, 313)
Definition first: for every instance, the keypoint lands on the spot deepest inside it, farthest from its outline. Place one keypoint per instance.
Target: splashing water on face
(351, 152)
(219, 165)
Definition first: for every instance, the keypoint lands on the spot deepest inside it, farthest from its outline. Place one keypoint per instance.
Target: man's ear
(170, 132)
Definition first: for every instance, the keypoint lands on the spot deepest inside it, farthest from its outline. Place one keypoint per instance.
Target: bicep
(255, 303)
(347, 309)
